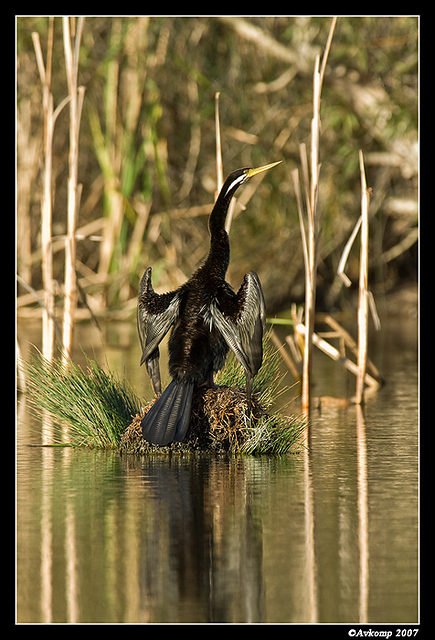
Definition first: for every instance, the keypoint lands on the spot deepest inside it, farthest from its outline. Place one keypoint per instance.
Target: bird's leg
(209, 382)
(249, 394)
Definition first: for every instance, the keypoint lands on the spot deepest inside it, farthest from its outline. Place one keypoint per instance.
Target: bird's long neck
(218, 216)
(219, 254)
(218, 257)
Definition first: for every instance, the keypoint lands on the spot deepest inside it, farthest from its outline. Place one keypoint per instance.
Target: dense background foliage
(147, 148)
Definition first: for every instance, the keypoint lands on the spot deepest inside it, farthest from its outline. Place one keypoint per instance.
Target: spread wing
(155, 316)
(241, 320)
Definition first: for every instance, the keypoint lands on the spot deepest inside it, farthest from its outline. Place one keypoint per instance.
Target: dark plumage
(207, 318)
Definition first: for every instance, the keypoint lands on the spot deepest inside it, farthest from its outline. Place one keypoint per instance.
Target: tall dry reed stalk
(50, 117)
(363, 304)
(46, 203)
(219, 164)
(247, 192)
(311, 234)
(76, 95)
(129, 150)
(75, 100)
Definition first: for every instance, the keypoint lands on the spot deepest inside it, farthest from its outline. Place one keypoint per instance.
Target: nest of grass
(220, 423)
(217, 423)
(93, 408)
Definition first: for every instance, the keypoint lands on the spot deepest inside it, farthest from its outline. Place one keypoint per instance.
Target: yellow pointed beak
(253, 172)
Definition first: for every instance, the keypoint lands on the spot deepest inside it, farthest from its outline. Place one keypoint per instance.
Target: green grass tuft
(94, 405)
(93, 408)
(274, 435)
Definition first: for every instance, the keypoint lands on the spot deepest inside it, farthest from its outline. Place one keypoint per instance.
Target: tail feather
(168, 418)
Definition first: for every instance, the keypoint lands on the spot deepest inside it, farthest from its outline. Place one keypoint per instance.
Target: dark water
(325, 536)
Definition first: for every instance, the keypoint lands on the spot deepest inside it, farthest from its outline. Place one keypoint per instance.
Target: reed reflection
(363, 517)
(326, 535)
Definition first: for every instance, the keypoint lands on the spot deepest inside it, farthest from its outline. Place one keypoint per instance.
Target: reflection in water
(363, 522)
(204, 539)
(328, 535)
(103, 538)
(311, 595)
(180, 539)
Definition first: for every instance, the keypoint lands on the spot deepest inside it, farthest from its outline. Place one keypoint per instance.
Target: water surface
(329, 535)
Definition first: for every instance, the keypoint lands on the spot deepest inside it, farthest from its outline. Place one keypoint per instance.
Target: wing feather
(242, 321)
(155, 316)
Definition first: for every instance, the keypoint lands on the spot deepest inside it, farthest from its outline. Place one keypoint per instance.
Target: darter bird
(207, 318)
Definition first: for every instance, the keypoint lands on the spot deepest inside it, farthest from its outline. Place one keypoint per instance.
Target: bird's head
(238, 177)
